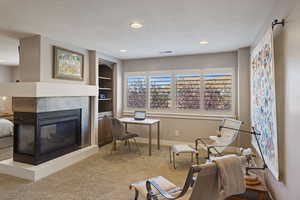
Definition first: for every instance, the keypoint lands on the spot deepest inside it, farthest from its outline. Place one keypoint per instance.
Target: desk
(147, 122)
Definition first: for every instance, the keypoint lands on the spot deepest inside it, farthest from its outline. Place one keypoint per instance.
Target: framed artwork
(67, 64)
(263, 101)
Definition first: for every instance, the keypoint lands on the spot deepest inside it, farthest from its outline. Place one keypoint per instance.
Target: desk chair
(119, 133)
(216, 145)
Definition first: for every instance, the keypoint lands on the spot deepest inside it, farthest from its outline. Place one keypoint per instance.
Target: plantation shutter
(160, 91)
(218, 91)
(188, 91)
(136, 92)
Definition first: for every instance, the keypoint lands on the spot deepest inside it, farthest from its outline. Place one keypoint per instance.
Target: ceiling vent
(166, 52)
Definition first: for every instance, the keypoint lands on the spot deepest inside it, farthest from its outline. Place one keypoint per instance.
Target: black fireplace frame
(34, 119)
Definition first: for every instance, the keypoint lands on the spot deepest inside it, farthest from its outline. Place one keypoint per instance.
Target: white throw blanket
(6, 127)
(230, 176)
(220, 179)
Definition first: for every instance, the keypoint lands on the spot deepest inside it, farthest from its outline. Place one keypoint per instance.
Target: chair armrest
(152, 196)
(197, 142)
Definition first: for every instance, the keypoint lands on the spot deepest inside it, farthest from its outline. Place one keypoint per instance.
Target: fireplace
(40, 137)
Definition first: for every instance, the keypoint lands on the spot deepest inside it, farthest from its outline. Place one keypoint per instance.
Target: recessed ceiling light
(136, 25)
(166, 52)
(1, 60)
(204, 42)
(123, 50)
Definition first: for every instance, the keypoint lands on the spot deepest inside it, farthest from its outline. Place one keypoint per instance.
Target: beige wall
(243, 88)
(218, 60)
(47, 61)
(36, 60)
(287, 58)
(185, 129)
(6, 75)
(30, 60)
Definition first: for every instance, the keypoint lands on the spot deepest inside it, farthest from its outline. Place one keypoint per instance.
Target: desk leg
(261, 196)
(150, 140)
(114, 145)
(126, 141)
(158, 135)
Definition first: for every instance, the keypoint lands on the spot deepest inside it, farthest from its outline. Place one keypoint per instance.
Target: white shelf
(104, 78)
(104, 88)
(102, 114)
(107, 99)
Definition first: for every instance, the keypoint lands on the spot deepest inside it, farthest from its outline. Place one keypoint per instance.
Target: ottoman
(177, 149)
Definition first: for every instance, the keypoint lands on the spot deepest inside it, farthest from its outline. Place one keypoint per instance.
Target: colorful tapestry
(263, 100)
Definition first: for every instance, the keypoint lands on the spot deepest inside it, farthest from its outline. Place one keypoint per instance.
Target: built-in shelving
(105, 99)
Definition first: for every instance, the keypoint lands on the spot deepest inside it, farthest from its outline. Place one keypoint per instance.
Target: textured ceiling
(174, 25)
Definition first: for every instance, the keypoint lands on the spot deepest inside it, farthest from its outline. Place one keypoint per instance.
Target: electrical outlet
(177, 133)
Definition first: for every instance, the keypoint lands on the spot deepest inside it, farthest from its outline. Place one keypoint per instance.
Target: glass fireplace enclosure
(40, 137)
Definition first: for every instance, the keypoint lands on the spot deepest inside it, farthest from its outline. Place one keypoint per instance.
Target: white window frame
(172, 111)
(126, 89)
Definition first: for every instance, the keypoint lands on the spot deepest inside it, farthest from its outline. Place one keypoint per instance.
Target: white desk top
(133, 121)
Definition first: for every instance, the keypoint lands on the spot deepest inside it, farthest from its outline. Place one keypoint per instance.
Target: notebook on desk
(139, 115)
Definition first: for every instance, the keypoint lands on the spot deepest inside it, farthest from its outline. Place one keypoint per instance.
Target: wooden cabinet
(104, 136)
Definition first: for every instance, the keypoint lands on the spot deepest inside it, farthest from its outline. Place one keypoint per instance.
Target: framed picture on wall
(67, 64)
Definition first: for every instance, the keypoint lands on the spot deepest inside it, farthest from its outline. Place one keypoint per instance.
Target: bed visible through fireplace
(40, 137)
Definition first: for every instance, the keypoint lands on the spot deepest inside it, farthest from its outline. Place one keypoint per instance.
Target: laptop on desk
(139, 115)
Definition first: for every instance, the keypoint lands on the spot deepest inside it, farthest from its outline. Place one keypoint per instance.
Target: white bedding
(6, 127)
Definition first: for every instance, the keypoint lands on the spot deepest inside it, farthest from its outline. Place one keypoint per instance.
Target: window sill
(183, 115)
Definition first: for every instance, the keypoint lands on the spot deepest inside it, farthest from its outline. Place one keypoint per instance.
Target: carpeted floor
(100, 177)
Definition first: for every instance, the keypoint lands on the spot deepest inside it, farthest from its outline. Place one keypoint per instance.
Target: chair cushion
(182, 148)
(161, 181)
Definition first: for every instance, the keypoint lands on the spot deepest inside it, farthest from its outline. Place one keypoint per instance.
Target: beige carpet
(101, 177)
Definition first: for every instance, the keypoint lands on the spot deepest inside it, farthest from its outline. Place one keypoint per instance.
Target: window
(160, 92)
(188, 91)
(200, 92)
(218, 91)
(136, 92)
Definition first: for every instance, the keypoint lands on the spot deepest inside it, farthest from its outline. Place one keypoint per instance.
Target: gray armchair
(119, 133)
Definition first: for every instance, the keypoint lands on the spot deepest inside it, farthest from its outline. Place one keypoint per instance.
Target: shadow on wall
(280, 73)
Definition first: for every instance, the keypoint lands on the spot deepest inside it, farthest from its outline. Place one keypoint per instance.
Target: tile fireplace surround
(49, 127)
(50, 104)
